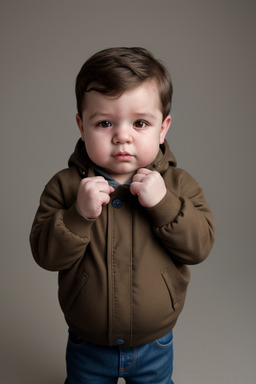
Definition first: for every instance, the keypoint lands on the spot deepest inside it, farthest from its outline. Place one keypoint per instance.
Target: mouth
(123, 156)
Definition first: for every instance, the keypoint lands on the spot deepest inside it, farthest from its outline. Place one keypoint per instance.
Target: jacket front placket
(119, 261)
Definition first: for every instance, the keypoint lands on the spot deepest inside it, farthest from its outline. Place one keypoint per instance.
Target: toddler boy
(121, 224)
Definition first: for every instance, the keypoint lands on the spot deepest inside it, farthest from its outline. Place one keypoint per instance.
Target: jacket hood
(164, 158)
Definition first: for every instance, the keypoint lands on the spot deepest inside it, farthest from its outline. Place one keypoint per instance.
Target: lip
(123, 156)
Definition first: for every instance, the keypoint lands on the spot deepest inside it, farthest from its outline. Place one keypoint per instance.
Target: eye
(105, 124)
(140, 124)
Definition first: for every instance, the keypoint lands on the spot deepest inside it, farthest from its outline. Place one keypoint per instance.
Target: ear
(164, 128)
(80, 125)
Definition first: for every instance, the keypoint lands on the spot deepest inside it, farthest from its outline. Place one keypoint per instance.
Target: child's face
(123, 134)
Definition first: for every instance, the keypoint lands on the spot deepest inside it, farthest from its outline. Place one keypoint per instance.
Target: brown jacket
(123, 276)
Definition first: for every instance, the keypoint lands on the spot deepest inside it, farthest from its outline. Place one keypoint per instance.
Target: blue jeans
(93, 364)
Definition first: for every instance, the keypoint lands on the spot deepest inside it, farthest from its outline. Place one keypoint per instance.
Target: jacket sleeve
(183, 221)
(59, 234)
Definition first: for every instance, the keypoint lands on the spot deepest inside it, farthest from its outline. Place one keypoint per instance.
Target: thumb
(111, 189)
(135, 188)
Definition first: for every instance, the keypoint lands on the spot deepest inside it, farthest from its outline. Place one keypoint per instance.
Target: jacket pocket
(176, 284)
(75, 291)
(166, 279)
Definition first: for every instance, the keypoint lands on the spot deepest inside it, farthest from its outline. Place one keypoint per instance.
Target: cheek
(149, 149)
(96, 149)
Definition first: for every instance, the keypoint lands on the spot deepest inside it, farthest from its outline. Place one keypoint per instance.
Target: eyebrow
(99, 114)
(137, 115)
(146, 115)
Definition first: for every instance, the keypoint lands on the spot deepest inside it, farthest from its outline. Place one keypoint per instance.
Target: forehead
(145, 96)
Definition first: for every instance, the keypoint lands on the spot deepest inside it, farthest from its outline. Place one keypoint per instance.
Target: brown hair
(115, 70)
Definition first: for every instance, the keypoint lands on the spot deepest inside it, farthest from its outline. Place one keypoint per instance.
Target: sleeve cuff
(166, 211)
(76, 223)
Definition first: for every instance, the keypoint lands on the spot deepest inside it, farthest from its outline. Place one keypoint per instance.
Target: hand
(93, 192)
(149, 186)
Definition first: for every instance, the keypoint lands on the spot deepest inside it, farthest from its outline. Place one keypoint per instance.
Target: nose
(122, 135)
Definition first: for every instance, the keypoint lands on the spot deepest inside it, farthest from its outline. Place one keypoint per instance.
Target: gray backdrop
(209, 48)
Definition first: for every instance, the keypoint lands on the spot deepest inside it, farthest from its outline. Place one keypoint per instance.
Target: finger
(143, 171)
(105, 187)
(104, 198)
(97, 182)
(111, 189)
(135, 188)
(95, 179)
(138, 177)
